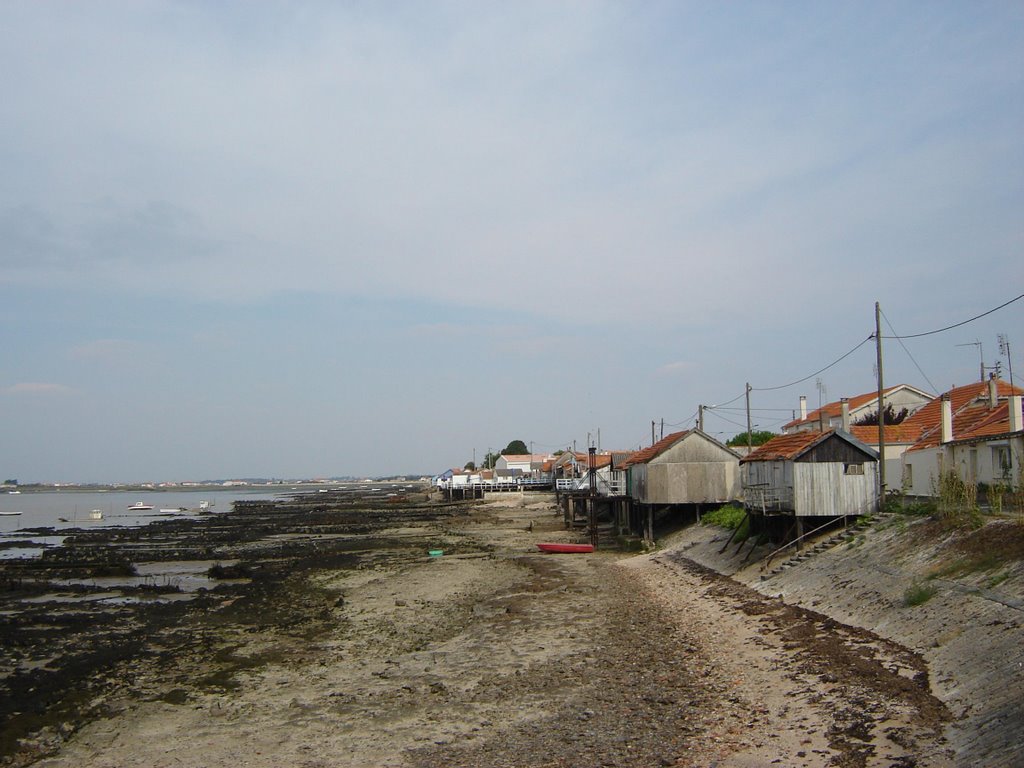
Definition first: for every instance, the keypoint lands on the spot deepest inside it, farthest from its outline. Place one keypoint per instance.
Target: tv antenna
(981, 356)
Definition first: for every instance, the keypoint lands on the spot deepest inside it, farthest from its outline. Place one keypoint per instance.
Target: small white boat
(138, 505)
(96, 514)
(9, 514)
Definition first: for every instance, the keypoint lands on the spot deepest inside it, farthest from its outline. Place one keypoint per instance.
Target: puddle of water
(21, 553)
(68, 598)
(188, 575)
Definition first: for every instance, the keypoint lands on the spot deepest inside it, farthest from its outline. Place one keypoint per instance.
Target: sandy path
(522, 659)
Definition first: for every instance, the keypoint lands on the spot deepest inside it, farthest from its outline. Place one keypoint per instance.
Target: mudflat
(345, 643)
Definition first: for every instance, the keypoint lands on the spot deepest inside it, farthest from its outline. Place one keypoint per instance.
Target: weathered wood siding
(692, 482)
(696, 470)
(835, 450)
(827, 489)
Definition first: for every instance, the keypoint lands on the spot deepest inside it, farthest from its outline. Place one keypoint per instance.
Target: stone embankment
(954, 598)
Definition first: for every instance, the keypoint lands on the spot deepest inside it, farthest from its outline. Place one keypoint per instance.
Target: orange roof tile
(785, 447)
(894, 433)
(645, 455)
(835, 409)
(996, 423)
(970, 404)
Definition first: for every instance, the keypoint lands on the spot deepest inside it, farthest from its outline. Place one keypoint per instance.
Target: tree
(490, 460)
(757, 437)
(891, 415)
(470, 466)
(516, 448)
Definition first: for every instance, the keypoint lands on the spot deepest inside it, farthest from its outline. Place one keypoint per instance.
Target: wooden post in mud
(649, 533)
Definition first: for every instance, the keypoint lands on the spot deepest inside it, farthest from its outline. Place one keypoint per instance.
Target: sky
(306, 239)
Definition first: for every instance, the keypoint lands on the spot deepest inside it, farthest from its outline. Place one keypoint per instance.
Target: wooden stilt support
(733, 534)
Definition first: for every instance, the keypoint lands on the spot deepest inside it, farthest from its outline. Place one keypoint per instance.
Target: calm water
(47, 509)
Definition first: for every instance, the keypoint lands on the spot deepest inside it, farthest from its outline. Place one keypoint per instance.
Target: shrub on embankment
(731, 517)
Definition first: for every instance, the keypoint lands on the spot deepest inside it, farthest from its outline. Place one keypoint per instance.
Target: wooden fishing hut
(682, 473)
(801, 480)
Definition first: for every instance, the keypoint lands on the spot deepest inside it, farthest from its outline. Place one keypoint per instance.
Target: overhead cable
(957, 325)
(805, 378)
(900, 340)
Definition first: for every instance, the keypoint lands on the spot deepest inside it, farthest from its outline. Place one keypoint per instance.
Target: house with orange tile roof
(830, 416)
(809, 474)
(974, 430)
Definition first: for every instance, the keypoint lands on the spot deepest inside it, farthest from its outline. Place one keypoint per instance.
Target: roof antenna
(981, 355)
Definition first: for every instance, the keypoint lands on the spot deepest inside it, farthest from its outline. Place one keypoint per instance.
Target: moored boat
(562, 548)
(140, 505)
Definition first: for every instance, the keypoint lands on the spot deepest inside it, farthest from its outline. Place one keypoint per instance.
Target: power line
(957, 325)
(805, 378)
(900, 340)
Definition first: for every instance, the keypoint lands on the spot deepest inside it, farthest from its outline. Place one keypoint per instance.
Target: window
(1001, 461)
(854, 469)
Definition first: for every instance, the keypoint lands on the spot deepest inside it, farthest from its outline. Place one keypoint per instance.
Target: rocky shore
(332, 638)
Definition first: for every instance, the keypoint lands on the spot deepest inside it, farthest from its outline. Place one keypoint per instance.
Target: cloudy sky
(320, 239)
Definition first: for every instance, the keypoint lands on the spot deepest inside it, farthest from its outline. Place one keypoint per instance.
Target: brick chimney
(1016, 420)
(844, 405)
(993, 391)
(803, 407)
(947, 419)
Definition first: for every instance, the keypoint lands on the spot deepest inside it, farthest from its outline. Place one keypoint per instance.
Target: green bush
(730, 516)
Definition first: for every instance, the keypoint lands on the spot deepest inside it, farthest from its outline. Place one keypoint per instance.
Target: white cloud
(36, 388)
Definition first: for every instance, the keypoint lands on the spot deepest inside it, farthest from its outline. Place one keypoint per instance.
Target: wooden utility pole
(881, 406)
(700, 417)
(750, 432)
(652, 432)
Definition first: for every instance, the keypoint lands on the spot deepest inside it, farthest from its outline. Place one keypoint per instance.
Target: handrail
(767, 560)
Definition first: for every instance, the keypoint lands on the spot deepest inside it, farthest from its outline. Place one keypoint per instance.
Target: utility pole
(881, 406)
(652, 432)
(700, 417)
(1004, 348)
(750, 432)
(662, 427)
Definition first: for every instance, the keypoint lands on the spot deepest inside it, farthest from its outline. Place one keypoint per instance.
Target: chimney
(823, 421)
(993, 391)
(803, 407)
(1016, 420)
(947, 419)
(844, 405)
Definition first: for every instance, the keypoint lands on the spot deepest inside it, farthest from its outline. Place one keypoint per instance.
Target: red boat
(564, 548)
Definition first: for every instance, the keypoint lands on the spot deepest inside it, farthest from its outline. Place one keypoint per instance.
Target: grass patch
(731, 517)
(999, 578)
(978, 562)
(918, 594)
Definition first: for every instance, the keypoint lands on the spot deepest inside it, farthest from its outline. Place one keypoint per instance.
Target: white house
(830, 415)
(974, 430)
